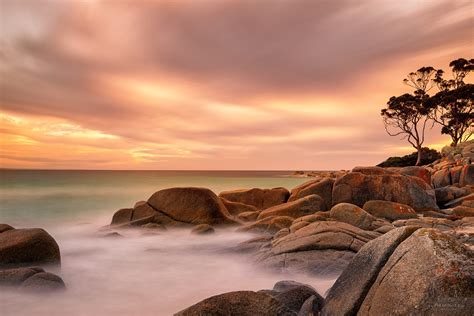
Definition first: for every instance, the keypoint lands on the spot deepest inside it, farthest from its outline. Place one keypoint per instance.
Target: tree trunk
(418, 160)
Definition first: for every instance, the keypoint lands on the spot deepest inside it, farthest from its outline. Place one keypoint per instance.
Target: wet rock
(389, 210)
(238, 303)
(449, 193)
(353, 215)
(16, 276)
(294, 294)
(43, 281)
(358, 188)
(27, 247)
(122, 216)
(259, 198)
(301, 207)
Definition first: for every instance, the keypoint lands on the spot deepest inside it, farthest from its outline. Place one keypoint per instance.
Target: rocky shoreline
(400, 240)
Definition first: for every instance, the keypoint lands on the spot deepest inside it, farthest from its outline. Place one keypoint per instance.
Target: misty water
(141, 273)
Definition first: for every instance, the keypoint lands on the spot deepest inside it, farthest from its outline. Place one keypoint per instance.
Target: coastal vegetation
(409, 115)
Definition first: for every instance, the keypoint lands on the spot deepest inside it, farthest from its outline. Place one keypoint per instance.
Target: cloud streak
(214, 84)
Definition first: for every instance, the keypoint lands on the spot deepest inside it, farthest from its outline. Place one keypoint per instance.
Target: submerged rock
(43, 281)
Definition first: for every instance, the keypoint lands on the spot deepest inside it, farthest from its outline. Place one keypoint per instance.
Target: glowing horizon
(214, 85)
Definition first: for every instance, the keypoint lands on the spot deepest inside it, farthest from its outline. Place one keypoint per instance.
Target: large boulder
(297, 208)
(238, 303)
(344, 298)
(389, 210)
(358, 188)
(353, 215)
(27, 247)
(372, 170)
(260, 198)
(425, 272)
(191, 205)
(322, 187)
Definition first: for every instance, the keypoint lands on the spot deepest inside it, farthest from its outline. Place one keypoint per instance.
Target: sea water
(137, 274)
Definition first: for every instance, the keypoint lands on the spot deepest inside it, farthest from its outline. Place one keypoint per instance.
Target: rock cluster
(22, 253)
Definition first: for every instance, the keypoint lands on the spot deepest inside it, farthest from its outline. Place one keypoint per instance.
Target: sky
(215, 84)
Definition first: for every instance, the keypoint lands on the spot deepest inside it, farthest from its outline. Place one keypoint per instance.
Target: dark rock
(301, 207)
(312, 306)
(16, 276)
(260, 198)
(43, 281)
(27, 247)
(294, 294)
(122, 216)
(467, 175)
(238, 303)
(372, 170)
(5, 227)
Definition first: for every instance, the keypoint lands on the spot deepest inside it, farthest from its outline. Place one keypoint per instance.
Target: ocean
(139, 274)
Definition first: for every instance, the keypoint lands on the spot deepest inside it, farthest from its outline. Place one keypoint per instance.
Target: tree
(452, 107)
(406, 115)
(454, 111)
